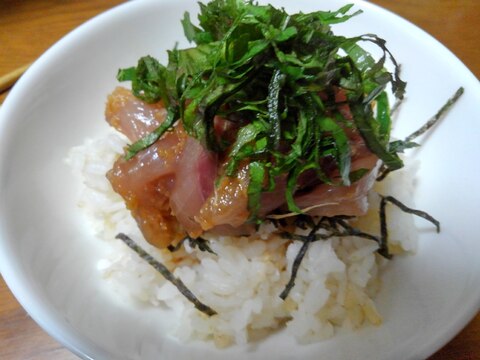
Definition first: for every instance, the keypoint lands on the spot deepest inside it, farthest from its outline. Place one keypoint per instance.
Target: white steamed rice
(335, 286)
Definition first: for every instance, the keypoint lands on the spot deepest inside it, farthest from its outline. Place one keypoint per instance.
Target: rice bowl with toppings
(272, 194)
(64, 276)
(335, 288)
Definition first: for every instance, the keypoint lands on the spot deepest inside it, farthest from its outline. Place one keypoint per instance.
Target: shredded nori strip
(437, 116)
(383, 249)
(407, 143)
(408, 210)
(337, 226)
(298, 260)
(384, 172)
(351, 231)
(167, 274)
(396, 106)
(173, 248)
(203, 244)
(334, 231)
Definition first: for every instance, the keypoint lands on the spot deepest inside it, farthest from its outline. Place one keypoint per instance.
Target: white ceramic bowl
(48, 254)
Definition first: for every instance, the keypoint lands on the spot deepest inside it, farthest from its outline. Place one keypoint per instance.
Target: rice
(335, 286)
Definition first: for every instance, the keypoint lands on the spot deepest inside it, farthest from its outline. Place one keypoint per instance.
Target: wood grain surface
(29, 27)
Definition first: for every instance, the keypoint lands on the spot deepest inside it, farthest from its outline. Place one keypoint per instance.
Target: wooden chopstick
(8, 80)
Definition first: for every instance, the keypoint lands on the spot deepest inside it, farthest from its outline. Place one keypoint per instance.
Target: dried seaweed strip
(383, 250)
(177, 247)
(450, 102)
(348, 230)
(298, 260)
(407, 142)
(352, 231)
(331, 225)
(384, 171)
(201, 243)
(396, 105)
(167, 274)
(409, 210)
(295, 267)
(303, 238)
(304, 222)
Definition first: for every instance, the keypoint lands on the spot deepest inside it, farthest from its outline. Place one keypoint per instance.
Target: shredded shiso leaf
(276, 76)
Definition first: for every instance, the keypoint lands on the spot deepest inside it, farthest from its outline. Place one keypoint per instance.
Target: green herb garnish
(277, 77)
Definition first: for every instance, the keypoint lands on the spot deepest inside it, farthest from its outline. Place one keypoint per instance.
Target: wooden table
(28, 28)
